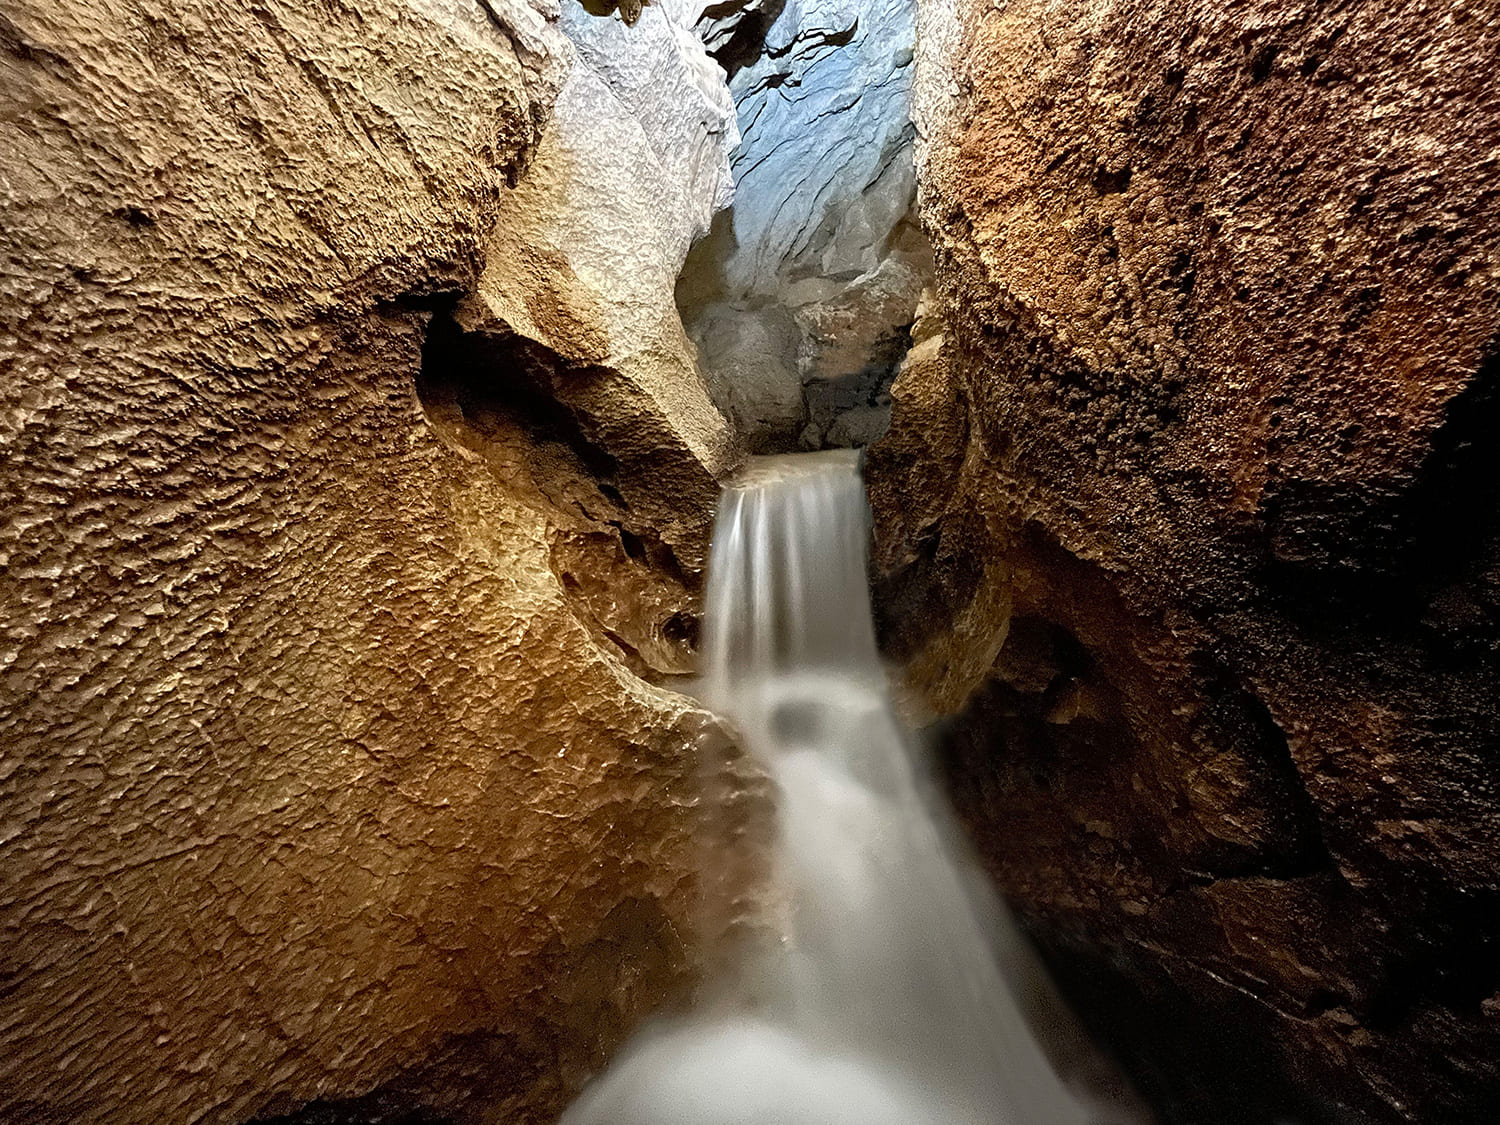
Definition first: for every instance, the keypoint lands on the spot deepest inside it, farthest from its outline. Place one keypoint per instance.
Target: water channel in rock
(885, 996)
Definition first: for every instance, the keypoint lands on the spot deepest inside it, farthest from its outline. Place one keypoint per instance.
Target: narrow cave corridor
(370, 376)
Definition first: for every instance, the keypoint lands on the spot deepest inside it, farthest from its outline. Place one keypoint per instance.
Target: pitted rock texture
(1189, 511)
(801, 298)
(312, 775)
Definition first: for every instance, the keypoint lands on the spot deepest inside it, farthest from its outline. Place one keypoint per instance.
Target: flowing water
(885, 999)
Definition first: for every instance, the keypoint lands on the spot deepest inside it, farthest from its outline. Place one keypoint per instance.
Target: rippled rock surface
(322, 769)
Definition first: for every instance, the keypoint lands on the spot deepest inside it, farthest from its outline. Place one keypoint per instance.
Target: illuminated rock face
(1202, 436)
(325, 766)
(568, 363)
(801, 299)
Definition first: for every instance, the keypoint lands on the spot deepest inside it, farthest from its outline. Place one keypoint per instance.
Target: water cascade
(884, 999)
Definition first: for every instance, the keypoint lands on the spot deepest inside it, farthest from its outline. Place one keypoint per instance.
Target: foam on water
(884, 1001)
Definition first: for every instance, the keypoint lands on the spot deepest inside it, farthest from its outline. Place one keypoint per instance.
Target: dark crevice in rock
(631, 654)
(1262, 62)
(683, 628)
(748, 40)
(634, 545)
(1111, 181)
(472, 384)
(1236, 721)
(136, 216)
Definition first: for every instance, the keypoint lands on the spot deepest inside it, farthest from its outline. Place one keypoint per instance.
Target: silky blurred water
(885, 999)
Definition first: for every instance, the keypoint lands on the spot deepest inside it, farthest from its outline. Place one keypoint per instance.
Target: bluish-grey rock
(824, 187)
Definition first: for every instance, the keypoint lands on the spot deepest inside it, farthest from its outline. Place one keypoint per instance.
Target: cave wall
(569, 363)
(1188, 516)
(801, 298)
(321, 769)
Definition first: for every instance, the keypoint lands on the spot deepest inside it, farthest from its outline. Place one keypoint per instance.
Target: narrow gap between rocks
(802, 296)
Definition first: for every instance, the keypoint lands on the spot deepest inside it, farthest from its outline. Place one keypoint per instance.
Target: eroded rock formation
(569, 363)
(321, 768)
(1189, 510)
(801, 299)
(357, 472)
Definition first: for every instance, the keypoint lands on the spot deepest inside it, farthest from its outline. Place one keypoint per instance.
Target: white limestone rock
(824, 110)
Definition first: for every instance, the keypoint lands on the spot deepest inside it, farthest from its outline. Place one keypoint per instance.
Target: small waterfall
(884, 1000)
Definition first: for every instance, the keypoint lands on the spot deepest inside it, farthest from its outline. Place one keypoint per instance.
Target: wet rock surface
(1188, 516)
(321, 770)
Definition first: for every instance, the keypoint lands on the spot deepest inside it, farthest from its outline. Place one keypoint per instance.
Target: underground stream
(882, 997)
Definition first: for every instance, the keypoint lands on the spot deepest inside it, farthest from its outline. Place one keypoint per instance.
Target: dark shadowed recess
(1413, 559)
(1209, 1043)
(473, 384)
(926, 594)
(560, 420)
(748, 42)
(627, 495)
(1195, 1063)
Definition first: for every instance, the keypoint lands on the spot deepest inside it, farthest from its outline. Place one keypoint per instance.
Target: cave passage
(877, 995)
(802, 296)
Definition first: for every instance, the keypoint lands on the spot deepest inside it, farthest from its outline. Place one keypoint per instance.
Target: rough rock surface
(801, 298)
(571, 355)
(1206, 443)
(311, 773)
(733, 31)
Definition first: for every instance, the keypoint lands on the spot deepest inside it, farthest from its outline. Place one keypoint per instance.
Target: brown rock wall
(1211, 423)
(311, 775)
